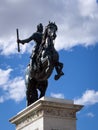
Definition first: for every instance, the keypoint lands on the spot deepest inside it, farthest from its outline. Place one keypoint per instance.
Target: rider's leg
(33, 62)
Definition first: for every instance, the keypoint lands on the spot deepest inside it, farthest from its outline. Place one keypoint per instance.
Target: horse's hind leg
(42, 87)
(31, 92)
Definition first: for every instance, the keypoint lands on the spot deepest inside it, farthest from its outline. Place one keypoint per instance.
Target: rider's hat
(40, 27)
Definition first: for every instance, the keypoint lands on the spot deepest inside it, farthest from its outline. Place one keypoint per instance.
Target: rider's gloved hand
(20, 41)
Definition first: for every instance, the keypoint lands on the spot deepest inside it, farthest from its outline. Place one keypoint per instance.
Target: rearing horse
(47, 59)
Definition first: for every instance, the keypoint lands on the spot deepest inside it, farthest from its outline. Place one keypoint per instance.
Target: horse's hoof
(62, 74)
(58, 76)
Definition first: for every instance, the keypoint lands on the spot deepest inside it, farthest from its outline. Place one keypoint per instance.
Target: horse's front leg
(58, 67)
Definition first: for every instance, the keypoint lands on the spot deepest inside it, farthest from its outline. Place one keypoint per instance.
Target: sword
(17, 32)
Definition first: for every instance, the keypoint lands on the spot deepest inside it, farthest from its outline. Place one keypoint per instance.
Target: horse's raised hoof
(58, 76)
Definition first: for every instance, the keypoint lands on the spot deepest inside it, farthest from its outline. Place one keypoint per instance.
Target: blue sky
(77, 44)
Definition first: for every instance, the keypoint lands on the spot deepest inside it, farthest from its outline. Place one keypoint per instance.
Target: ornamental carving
(28, 119)
(59, 112)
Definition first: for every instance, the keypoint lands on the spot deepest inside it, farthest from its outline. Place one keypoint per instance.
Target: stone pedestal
(47, 114)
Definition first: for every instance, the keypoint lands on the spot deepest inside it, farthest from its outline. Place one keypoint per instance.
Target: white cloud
(12, 88)
(16, 89)
(89, 97)
(88, 7)
(4, 76)
(57, 95)
(1, 99)
(90, 114)
(9, 46)
(77, 22)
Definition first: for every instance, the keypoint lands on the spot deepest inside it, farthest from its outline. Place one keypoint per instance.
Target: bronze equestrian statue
(44, 59)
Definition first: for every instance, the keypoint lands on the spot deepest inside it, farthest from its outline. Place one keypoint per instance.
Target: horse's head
(51, 30)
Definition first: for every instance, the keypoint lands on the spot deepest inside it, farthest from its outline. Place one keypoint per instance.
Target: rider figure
(37, 37)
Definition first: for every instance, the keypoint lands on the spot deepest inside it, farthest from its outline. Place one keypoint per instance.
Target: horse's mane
(50, 25)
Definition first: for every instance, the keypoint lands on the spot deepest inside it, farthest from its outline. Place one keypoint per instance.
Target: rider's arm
(26, 40)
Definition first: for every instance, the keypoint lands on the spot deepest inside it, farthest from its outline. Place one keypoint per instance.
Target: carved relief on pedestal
(29, 119)
(59, 112)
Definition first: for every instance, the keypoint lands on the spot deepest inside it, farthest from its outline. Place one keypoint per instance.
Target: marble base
(47, 114)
